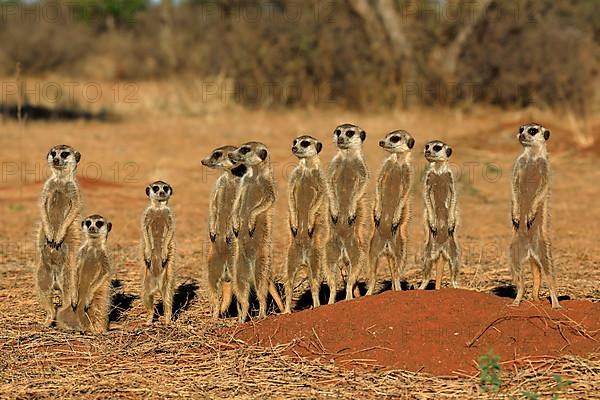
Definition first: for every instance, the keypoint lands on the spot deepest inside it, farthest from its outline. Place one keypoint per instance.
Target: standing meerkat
(251, 225)
(348, 176)
(307, 205)
(158, 245)
(441, 215)
(221, 258)
(58, 236)
(90, 305)
(391, 210)
(529, 212)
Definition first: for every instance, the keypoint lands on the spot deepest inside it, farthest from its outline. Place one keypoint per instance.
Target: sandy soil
(120, 159)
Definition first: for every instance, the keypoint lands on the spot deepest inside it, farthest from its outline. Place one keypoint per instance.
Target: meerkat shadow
(120, 302)
(183, 297)
(505, 290)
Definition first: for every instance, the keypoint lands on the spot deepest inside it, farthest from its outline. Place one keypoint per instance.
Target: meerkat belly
(225, 207)
(159, 225)
(306, 196)
(391, 195)
(89, 270)
(528, 186)
(346, 187)
(58, 207)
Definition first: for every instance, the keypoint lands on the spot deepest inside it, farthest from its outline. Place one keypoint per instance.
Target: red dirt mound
(440, 332)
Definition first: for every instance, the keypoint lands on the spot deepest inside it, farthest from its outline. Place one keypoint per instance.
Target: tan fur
(251, 224)
(530, 190)
(221, 258)
(441, 215)
(158, 246)
(89, 308)
(347, 176)
(307, 205)
(58, 236)
(392, 209)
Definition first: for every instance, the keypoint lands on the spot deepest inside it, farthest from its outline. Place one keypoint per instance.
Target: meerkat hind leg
(354, 254)
(536, 272)
(374, 251)
(332, 258)
(227, 295)
(439, 272)
(548, 267)
(313, 275)
(291, 270)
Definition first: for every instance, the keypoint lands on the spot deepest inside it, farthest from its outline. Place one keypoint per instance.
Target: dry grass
(193, 358)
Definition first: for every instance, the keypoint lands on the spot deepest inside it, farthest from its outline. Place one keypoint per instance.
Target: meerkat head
(397, 142)
(63, 157)
(219, 158)
(436, 151)
(533, 134)
(306, 146)
(248, 155)
(159, 191)
(348, 136)
(95, 226)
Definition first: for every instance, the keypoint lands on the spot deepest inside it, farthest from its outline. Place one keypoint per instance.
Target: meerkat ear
(262, 153)
(171, 190)
(108, 226)
(319, 147)
(546, 134)
(448, 151)
(411, 143)
(363, 135)
(77, 156)
(148, 191)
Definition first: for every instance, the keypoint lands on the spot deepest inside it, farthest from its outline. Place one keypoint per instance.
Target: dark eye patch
(437, 147)
(533, 131)
(305, 143)
(245, 150)
(64, 154)
(167, 188)
(426, 147)
(99, 224)
(294, 142)
(350, 133)
(53, 153)
(395, 139)
(88, 223)
(521, 129)
(217, 154)
(155, 188)
(338, 132)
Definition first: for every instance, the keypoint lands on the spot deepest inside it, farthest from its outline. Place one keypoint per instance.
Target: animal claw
(395, 227)
(294, 231)
(334, 219)
(515, 224)
(351, 219)
(213, 236)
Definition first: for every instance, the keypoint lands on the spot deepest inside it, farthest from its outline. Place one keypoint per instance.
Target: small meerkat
(158, 246)
(91, 304)
(221, 258)
(441, 215)
(529, 213)
(347, 176)
(391, 209)
(251, 225)
(307, 205)
(58, 236)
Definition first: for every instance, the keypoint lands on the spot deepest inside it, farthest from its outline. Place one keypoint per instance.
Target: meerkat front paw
(395, 226)
(294, 230)
(376, 218)
(213, 236)
(515, 223)
(351, 219)
(530, 219)
(334, 218)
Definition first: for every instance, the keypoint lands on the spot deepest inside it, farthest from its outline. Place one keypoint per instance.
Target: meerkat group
(327, 216)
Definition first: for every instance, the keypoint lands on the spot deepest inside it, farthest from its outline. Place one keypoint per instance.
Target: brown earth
(439, 332)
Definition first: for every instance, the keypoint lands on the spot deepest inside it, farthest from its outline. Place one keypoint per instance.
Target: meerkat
(391, 209)
(347, 176)
(251, 225)
(58, 236)
(90, 305)
(221, 258)
(441, 215)
(529, 213)
(158, 246)
(307, 205)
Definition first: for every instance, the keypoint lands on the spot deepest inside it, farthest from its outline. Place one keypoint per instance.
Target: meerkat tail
(275, 294)
(227, 297)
